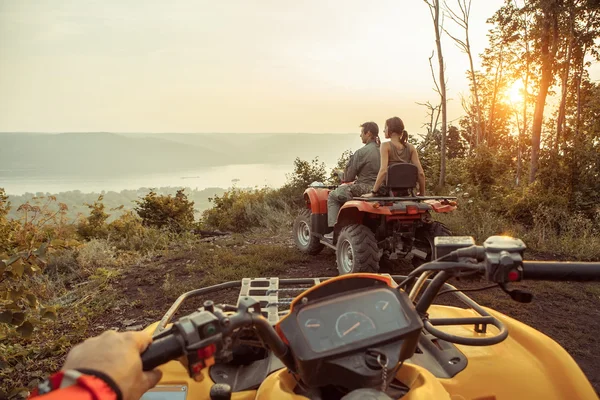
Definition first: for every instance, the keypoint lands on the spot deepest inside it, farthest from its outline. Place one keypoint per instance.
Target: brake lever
(517, 295)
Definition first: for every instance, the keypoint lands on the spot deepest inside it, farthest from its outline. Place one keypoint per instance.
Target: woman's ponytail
(404, 137)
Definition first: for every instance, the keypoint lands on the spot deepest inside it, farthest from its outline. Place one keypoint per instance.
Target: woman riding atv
(397, 151)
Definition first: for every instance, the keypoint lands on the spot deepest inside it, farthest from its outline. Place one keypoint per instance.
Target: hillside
(97, 154)
(111, 154)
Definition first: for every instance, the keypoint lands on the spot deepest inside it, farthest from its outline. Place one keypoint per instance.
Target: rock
(127, 322)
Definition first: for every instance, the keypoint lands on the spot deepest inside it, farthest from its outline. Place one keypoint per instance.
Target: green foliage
(239, 210)
(174, 213)
(94, 226)
(117, 202)
(23, 257)
(233, 211)
(334, 178)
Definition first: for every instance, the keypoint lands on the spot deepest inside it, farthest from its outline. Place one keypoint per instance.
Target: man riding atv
(362, 169)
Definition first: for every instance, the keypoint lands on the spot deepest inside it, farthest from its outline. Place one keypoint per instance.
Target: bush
(166, 212)
(25, 245)
(305, 173)
(94, 226)
(231, 210)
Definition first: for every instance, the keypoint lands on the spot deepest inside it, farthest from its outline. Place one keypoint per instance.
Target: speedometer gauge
(354, 325)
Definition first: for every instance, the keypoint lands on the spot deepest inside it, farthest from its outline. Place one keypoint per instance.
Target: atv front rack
(268, 290)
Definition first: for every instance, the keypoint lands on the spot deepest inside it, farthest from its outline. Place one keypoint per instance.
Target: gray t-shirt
(364, 165)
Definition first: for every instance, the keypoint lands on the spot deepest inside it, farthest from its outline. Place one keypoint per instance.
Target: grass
(578, 239)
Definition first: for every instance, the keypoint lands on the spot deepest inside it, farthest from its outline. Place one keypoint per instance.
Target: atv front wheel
(305, 241)
(356, 250)
(424, 240)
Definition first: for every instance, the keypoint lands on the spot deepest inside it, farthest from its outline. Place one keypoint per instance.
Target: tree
(434, 9)
(548, 43)
(462, 20)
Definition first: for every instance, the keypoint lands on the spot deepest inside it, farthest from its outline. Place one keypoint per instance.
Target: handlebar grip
(161, 351)
(561, 271)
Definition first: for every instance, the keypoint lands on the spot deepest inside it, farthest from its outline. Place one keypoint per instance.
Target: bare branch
(437, 88)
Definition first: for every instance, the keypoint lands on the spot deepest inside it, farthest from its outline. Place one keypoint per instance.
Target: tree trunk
(438, 43)
(479, 128)
(560, 122)
(548, 51)
(497, 79)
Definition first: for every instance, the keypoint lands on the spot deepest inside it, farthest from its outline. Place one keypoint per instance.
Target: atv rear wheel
(303, 238)
(424, 240)
(356, 250)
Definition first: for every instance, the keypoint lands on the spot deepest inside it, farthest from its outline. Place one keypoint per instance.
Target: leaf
(15, 295)
(12, 306)
(57, 243)
(49, 313)
(26, 329)
(6, 317)
(18, 318)
(18, 268)
(13, 259)
(31, 299)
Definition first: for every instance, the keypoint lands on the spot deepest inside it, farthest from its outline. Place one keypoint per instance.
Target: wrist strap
(107, 379)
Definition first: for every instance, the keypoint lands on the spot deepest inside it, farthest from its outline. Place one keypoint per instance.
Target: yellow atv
(370, 336)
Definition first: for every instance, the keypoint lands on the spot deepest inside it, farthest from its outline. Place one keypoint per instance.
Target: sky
(223, 66)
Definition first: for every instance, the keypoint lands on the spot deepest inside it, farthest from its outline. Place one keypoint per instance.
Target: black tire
(356, 250)
(424, 240)
(303, 238)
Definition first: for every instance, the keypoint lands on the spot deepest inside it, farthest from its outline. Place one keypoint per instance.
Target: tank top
(399, 156)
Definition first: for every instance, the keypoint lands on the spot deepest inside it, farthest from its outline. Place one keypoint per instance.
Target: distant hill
(270, 148)
(97, 154)
(114, 154)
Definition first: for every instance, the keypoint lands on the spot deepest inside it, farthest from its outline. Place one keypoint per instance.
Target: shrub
(231, 210)
(175, 213)
(305, 173)
(94, 226)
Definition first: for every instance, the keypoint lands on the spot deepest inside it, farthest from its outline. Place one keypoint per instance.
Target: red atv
(375, 231)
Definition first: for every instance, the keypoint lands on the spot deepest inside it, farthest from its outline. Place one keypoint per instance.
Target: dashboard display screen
(166, 392)
(330, 324)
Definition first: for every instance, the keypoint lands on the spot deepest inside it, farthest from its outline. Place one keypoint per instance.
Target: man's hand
(368, 195)
(118, 356)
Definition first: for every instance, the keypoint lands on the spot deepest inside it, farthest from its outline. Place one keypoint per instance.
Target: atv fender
(316, 200)
(353, 212)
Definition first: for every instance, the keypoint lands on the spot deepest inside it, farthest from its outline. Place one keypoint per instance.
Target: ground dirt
(567, 312)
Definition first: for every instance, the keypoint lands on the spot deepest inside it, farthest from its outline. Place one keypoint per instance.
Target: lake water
(248, 175)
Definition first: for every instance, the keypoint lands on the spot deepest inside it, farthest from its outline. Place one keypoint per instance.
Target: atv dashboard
(331, 324)
(347, 314)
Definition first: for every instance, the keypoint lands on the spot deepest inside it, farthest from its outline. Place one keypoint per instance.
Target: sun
(515, 93)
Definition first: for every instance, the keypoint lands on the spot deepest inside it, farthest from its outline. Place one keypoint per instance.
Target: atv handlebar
(561, 271)
(162, 351)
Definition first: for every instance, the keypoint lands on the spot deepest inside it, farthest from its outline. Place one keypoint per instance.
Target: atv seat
(401, 179)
